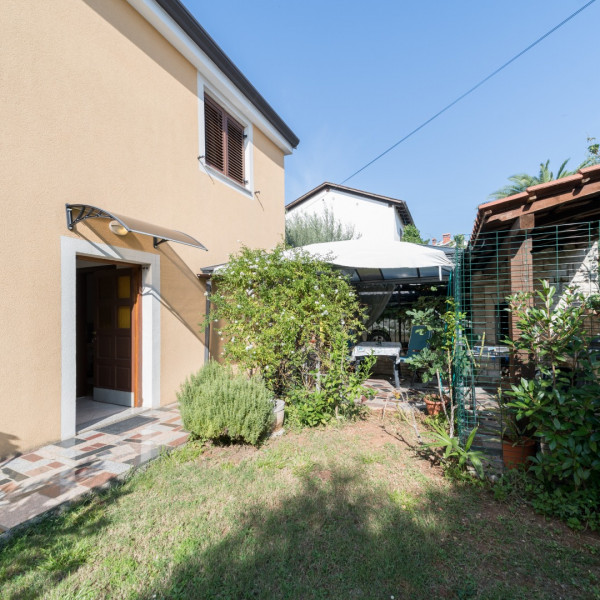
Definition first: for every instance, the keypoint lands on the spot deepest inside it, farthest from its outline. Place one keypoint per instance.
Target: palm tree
(521, 181)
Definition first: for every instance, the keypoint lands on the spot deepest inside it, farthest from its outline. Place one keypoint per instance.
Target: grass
(347, 512)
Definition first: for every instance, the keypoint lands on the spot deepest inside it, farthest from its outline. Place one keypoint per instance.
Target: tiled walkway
(391, 398)
(39, 481)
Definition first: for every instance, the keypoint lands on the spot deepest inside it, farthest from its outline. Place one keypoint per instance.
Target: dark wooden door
(116, 294)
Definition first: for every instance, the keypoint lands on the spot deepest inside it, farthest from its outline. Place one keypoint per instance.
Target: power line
(447, 107)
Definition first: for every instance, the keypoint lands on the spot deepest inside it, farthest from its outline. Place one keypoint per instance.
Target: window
(224, 141)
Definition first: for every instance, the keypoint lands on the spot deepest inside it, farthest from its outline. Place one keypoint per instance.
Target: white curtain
(375, 298)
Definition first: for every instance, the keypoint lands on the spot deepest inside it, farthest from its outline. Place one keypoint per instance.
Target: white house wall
(370, 218)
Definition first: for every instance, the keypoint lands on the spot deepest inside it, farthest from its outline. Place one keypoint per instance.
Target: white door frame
(71, 248)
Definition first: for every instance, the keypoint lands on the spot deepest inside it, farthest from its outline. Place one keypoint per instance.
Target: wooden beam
(546, 203)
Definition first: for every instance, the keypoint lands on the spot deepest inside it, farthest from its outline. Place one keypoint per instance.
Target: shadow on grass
(44, 553)
(336, 538)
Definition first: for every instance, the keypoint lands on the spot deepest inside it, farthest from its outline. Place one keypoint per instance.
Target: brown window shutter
(214, 133)
(235, 150)
(224, 141)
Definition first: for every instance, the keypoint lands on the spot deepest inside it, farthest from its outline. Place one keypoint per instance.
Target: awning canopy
(368, 260)
(80, 212)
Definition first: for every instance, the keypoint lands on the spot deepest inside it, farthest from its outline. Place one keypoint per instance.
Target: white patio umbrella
(376, 266)
(372, 260)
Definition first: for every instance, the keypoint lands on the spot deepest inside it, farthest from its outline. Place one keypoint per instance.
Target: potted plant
(433, 403)
(517, 443)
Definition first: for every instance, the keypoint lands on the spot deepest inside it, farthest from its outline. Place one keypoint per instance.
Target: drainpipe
(207, 328)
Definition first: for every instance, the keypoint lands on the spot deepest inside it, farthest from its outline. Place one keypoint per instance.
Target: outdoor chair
(419, 337)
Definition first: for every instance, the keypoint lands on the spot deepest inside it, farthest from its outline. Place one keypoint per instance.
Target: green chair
(419, 337)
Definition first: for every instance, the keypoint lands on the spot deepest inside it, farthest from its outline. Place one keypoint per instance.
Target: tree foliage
(521, 181)
(301, 230)
(413, 235)
(593, 151)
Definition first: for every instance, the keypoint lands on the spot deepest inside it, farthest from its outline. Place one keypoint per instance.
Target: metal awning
(80, 212)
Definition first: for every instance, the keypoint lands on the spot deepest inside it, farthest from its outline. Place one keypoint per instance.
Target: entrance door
(116, 345)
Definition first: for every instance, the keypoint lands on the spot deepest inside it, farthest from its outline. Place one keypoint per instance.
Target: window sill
(212, 172)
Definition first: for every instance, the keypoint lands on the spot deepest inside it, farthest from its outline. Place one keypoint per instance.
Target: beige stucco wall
(97, 108)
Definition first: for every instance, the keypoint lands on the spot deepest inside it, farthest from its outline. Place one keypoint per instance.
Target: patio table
(392, 350)
(491, 351)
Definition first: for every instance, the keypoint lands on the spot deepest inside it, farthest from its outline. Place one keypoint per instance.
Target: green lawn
(344, 513)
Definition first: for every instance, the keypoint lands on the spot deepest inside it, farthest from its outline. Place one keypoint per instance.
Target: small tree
(439, 317)
(301, 230)
(291, 318)
(413, 235)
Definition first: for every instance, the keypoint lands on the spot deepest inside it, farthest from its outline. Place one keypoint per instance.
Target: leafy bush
(216, 404)
(290, 318)
(578, 508)
(560, 403)
(336, 392)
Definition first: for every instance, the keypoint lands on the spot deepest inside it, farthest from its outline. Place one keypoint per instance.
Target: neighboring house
(116, 108)
(371, 215)
(445, 241)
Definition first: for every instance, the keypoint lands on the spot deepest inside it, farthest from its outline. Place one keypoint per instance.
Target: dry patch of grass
(347, 512)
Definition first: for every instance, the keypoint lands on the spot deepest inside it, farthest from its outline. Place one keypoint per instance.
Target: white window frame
(247, 189)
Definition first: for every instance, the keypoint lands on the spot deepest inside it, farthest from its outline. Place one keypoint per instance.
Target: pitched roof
(559, 201)
(181, 15)
(326, 186)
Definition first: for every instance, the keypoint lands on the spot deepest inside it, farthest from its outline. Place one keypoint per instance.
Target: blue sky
(352, 78)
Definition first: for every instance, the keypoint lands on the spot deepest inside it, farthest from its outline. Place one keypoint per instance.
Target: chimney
(446, 238)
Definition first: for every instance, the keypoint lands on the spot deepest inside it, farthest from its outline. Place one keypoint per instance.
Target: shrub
(577, 507)
(336, 392)
(217, 404)
(290, 318)
(560, 403)
(301, 230)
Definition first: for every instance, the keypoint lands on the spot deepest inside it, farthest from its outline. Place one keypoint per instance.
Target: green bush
(577, 507)
(560, 404)
(337, 390)
(216, 404)
(292, 319)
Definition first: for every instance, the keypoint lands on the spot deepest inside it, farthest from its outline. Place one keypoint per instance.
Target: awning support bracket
(86, 212)
(158, 242)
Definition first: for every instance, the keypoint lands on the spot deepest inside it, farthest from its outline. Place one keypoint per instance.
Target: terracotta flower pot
(434, 407)
(517, 454)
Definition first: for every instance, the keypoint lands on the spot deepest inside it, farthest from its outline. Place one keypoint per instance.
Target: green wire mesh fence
(494, 266)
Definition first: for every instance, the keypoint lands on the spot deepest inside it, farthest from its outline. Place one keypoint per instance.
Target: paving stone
(31, 457)
(126, 425)
(69, 443)
(98, 451)
(14, 475)
(67, 469)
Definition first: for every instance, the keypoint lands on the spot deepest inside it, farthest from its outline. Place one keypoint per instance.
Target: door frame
(147, 368)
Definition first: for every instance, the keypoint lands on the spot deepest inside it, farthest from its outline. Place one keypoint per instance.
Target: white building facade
(371, 215)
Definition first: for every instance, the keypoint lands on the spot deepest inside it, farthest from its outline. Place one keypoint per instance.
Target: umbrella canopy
(371, 260)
